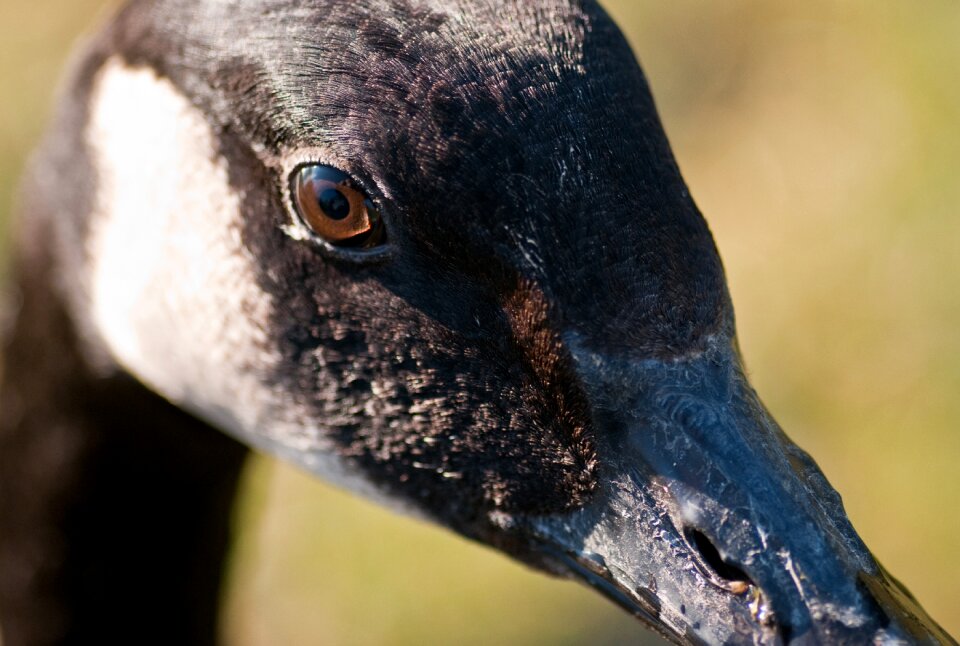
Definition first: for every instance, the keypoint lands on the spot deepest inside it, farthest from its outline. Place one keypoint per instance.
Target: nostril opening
(711, 557)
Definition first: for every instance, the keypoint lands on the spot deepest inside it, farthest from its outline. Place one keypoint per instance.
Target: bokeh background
(822, 141)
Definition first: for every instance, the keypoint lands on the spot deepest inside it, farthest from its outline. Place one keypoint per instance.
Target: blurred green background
(822, 141)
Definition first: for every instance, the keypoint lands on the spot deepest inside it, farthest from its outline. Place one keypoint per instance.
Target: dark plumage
(547, 336)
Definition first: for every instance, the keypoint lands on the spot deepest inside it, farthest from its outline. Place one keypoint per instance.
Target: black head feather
(529, 193)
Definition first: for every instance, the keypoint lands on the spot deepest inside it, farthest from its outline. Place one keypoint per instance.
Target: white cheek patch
(174, 293)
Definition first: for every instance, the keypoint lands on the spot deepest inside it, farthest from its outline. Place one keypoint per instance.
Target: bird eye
(335, 208)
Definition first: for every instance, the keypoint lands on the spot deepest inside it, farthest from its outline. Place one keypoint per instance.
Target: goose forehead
(519, 25)
(287, 72)
(422, 97)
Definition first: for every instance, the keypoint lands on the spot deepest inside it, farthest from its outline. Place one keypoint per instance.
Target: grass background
(822, 141)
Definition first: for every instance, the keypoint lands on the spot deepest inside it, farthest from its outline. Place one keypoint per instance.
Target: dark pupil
(334, 204)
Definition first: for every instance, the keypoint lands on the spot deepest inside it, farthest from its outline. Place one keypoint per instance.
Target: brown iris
(335, 208)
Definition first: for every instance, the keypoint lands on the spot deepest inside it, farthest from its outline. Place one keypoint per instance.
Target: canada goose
(499, 325)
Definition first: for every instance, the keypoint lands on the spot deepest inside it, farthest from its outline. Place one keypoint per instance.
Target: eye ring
(336, 209)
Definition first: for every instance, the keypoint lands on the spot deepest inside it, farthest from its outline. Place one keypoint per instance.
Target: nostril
(727, 572)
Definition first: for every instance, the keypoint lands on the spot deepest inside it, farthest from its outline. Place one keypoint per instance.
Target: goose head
(439, 252)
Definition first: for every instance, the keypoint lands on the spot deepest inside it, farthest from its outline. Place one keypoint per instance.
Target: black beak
(711, 525)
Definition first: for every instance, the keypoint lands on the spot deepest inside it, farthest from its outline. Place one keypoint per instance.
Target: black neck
(114, 504)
